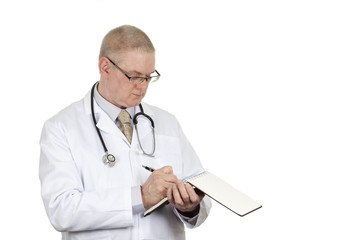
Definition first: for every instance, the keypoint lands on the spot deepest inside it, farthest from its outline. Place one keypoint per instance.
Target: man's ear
(104, 67)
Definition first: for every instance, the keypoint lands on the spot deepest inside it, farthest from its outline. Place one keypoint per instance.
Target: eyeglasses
(154, 76)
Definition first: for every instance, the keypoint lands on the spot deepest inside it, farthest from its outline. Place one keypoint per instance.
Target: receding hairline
(123, 39)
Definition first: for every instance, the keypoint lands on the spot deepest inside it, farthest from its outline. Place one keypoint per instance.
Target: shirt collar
(110, 109)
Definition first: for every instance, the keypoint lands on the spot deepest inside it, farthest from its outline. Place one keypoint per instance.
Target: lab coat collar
(87, 106)
(103, 120)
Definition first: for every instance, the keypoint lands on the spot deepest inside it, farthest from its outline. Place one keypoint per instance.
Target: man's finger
(194, 198)
(166, 170)
(170, 178)
(183, 192)
(177, 197)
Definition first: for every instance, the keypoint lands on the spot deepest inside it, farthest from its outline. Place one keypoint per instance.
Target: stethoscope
(109, 159)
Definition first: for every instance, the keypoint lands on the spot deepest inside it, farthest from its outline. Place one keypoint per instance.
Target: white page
(224, 193)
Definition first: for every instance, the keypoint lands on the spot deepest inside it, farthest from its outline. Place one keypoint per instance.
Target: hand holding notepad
(218, 190)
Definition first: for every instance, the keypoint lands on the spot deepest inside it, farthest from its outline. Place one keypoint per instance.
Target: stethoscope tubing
(109, 159)
(94, 120)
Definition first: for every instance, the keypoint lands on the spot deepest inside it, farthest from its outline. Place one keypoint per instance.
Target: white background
(266, 91)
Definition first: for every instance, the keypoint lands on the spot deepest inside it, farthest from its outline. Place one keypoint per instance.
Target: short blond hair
(125, 38)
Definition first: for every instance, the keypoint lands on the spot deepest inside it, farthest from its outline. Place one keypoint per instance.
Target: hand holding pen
(182, 196)
(156, 186)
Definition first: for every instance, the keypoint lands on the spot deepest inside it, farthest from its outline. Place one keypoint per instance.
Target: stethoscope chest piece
(109, 160)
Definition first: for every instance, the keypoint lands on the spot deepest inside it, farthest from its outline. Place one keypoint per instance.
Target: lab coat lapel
(144, 125)
(104, 122)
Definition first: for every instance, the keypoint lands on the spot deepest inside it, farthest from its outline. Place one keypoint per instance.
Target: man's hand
(156, 186)
(184, 198)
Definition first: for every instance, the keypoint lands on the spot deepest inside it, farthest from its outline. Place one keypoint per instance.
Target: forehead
(138, 62)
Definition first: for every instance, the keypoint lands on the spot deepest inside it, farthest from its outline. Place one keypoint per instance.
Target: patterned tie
(125, 126)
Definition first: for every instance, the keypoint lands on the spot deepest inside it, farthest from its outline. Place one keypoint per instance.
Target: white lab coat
(84, 199)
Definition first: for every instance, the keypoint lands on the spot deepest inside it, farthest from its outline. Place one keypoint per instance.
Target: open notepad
(220, 191)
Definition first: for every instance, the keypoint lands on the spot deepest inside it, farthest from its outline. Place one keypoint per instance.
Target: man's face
(117, 89)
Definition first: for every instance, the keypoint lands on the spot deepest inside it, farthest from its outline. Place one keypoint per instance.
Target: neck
(101, 90)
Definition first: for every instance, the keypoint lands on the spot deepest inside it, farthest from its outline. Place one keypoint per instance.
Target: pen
(148, 168)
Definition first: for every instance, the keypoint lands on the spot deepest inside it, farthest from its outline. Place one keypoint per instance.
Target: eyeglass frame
(131, 79)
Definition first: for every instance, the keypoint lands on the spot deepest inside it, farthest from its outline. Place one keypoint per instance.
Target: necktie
(125, 124)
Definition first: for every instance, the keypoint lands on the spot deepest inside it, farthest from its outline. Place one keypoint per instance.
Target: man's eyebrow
(136, 72)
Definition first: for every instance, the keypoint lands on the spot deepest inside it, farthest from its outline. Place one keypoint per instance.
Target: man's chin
(134, 103)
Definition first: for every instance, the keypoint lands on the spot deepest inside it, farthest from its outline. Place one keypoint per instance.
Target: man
(87, 199)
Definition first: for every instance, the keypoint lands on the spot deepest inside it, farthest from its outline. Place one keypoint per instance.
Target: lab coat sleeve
(192, 166)
(205, 206)
(68, 206)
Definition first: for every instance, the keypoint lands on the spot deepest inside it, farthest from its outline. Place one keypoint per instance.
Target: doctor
(85, 197)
